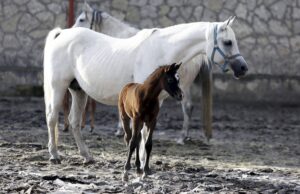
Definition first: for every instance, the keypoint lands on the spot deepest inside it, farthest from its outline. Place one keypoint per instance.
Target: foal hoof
(55, 161)
(119, 133)
(139, 172)
(66, 129)
(146, 173)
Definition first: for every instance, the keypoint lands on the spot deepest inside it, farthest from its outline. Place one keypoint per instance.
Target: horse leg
(79, 99)
(66, 111)
(206, 82)
(53, 102)
(187, 108)
(132, 145)
(92, 114)
(139, 171)
(85, 113)
(119, 132)
(148, 146)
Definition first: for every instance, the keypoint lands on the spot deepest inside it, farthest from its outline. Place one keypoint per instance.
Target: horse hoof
(88, 161)
(180, 141)
(139, 173)
(66, 129)
(125, 177)
(119, 133)
(91, 129)
(55, 161)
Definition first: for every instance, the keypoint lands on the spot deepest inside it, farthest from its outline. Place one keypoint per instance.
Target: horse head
(89, 17)
(222, 49)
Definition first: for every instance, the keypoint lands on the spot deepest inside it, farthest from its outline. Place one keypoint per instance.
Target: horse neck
(152, 86)
(115, 28)
(186, 40)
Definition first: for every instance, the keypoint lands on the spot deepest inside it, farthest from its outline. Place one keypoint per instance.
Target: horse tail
(206, 83)
(53, 34)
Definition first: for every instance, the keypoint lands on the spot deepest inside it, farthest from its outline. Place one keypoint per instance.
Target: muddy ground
(255, 149)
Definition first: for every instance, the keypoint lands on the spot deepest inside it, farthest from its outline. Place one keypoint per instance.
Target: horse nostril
(244, 68)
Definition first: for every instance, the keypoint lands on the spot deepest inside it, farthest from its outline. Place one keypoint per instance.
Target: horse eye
(170, 80)
(81, 20)
(228, 43)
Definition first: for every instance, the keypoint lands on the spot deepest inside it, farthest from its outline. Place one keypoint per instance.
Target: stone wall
(268, 31)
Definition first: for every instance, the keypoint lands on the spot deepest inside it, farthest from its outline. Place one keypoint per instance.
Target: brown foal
(139, 103)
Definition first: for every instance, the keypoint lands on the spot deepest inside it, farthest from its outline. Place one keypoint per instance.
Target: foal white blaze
(102, 65)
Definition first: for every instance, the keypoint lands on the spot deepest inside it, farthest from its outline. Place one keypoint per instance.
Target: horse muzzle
(239, 67)
(178, 95)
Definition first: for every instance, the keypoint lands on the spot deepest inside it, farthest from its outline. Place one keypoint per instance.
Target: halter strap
(217, 49)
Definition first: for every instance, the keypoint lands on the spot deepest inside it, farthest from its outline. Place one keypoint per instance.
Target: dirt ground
(255, 149)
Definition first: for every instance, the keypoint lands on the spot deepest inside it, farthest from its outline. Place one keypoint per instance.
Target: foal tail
(206, 82)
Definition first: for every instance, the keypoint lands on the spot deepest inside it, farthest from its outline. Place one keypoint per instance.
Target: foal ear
(177, 66)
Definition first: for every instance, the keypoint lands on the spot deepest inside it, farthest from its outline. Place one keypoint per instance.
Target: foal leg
(78, 105)
(126, 127)
(132, 145)
(187, 108)
(148, 146)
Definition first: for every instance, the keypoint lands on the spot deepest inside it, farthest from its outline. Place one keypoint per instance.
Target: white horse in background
(102, 65)
(106, 24)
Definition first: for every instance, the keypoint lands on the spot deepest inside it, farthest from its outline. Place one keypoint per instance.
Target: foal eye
(170, 80)
(228, 43)
(81, 20)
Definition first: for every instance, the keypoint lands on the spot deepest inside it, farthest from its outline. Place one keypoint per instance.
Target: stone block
(138, 2)
(35, 6)
(262, 13)
(133, 14)
(241, 11)
(11, 42)
(295, 43)
(164, 10)
(198, 11)
(174, 12)
(149, 11)
(279, 28)
(278, 9)
(260, 26)
(10, 24)
(186, 12)
(120, 4)
(156, 2)
(214, 5)
(165, 21)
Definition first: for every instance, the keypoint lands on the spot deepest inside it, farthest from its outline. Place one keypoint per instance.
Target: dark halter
(96, 18)
(217, 49)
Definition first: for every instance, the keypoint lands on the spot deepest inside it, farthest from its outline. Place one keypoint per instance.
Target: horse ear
(86, 7)
(227, 23)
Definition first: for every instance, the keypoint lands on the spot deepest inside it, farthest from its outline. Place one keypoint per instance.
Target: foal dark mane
(156, 74)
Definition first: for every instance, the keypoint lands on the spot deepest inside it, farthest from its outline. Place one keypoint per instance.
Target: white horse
(102, 65)
(106, 24)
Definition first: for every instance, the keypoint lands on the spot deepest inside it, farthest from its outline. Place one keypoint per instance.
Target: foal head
(170, 81)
